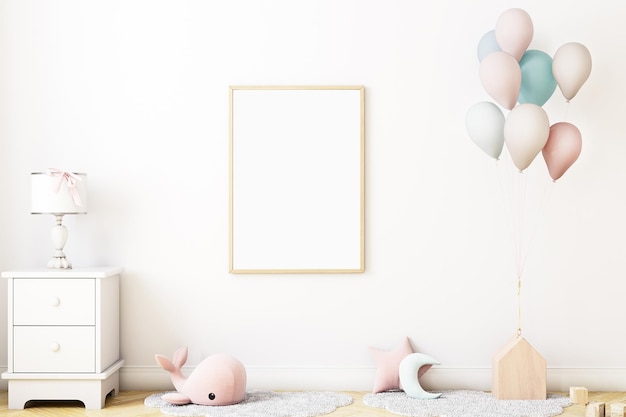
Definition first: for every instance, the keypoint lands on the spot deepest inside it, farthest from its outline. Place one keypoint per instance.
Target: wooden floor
(130, 404)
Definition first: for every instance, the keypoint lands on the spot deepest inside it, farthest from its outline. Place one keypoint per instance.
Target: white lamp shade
(51, 193)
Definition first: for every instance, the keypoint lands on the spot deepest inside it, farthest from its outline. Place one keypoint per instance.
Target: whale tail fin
(165, 363)
(174, 366)
(179, 359)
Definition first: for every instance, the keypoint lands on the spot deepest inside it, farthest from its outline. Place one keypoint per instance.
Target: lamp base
(59, 237)
(60, 262)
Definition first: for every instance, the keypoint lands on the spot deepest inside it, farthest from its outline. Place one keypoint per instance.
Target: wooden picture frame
(297, 179)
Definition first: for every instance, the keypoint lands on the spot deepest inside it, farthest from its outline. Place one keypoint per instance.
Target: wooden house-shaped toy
(519, 372)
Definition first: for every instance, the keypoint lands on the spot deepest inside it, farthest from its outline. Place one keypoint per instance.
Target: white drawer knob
(54, 346)
(54, 301)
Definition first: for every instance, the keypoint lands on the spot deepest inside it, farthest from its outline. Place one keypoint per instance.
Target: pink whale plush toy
(218, 380)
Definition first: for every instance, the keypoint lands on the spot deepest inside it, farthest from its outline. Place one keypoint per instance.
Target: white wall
(135, 94)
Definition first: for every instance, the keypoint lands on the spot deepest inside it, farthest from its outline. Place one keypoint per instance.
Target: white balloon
(526, 132)
(484, 123)
(409, 367)
(571, 67)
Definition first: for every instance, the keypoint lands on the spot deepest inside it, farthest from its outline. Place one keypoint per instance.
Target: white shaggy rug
(260, 404)
(466, 404)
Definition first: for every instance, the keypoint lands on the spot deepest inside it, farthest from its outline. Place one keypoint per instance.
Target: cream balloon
(514, 31)
(562, 148)
(501, 77)
(571, 67)
(484, 123)
(526, 132)
(409, 380)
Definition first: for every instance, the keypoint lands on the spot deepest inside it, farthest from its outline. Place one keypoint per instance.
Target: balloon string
(547, 194)
(516, 206)
(519, 306)
(566, 111)
(520, 192)
(510, 206)
(508, 199)
(522, 220)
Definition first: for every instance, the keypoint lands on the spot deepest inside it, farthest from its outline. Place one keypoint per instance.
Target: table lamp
(58, 193)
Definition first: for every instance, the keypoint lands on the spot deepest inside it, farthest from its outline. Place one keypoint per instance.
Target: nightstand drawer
(54, 302)
(54, 349)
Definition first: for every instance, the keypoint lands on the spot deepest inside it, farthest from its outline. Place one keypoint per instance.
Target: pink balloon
(501, 77)
(514, 31)
(562, 148)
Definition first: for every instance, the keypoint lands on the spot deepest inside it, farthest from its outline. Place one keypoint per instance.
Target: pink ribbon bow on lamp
(70, 179)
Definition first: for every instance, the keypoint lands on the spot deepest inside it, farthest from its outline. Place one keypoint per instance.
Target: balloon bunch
(522, 80)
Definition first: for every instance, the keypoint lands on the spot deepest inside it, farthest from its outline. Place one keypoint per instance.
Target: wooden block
(578, 395)
(519, 372)
(618, 410)
(595, 410)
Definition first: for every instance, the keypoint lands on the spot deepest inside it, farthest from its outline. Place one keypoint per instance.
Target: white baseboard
(361, 379)
(153, 378)
(558, 379)
(319, 379)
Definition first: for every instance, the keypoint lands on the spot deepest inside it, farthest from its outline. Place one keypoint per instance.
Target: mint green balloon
(538, 83)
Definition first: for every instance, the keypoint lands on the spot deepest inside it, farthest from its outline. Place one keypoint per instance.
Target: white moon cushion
(409, 379)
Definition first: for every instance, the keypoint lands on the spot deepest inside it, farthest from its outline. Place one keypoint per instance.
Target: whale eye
(211, 396)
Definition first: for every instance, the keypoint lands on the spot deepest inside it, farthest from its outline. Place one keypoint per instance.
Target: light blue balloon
(538, 83)
(487, 45)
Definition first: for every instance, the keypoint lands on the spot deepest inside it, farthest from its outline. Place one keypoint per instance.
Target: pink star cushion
(388, 365)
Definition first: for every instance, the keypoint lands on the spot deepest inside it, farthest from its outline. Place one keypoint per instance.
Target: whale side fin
(176, 398)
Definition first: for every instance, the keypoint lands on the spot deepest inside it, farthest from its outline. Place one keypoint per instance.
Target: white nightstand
(63, 335)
